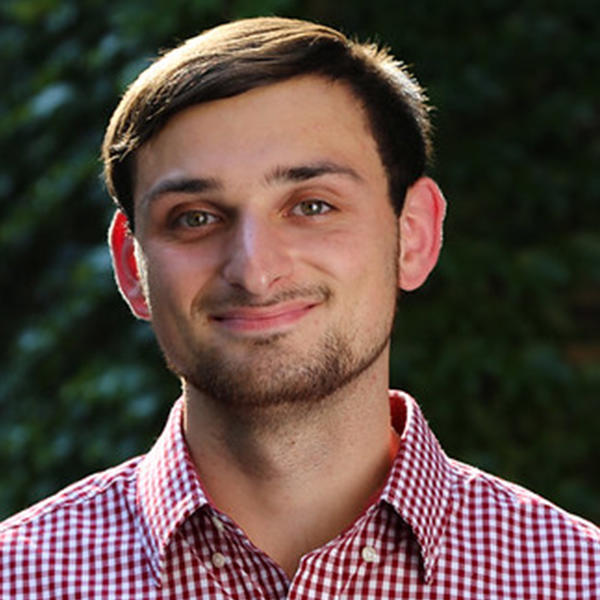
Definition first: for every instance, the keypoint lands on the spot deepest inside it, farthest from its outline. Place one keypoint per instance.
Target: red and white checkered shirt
(439, 530)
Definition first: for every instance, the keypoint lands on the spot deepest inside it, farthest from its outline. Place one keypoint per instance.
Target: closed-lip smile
(261, 318)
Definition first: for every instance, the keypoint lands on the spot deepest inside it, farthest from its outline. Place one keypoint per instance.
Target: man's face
(267, 244)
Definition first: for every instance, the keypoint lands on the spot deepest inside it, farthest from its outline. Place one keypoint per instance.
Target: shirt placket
(230, 559)
(334, 570)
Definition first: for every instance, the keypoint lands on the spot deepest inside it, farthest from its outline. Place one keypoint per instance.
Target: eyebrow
(280, 174)
(181, 185)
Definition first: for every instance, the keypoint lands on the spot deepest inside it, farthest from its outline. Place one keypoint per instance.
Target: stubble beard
(275, 376)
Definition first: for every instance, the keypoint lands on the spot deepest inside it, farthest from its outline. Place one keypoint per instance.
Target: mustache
(240, 298)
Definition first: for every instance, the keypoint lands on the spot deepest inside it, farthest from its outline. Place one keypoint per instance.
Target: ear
(421, 223)
(122, 250)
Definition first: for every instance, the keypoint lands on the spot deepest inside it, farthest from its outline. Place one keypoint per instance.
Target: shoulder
(491, 499)
(489, 492)
(80, 539)
(508, 524)
(94, 502)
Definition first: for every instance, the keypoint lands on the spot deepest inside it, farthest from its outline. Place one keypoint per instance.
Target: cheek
(175, 275)
(358, 254)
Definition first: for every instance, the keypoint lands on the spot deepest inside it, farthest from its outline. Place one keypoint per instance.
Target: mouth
(263, 318)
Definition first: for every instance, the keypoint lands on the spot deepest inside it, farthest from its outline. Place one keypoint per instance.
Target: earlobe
(421, 224)
(122, 250)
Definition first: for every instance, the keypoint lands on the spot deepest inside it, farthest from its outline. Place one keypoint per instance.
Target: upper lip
(263, 312)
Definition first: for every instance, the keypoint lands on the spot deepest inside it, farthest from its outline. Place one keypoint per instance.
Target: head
(262, 157)
(236, 57)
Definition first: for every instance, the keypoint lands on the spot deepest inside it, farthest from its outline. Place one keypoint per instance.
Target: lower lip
(266, 323)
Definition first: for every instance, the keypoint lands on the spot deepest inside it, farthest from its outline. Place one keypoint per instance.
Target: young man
(272, 202)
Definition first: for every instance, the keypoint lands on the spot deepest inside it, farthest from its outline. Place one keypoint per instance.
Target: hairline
(390, 98)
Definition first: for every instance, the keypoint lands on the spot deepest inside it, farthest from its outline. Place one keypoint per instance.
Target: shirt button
(218, 524)
(218, 560)
(369, 554)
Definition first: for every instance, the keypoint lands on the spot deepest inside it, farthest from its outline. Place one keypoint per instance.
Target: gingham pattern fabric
(439, 530)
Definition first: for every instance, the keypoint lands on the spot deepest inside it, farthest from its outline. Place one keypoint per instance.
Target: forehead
(303, 119)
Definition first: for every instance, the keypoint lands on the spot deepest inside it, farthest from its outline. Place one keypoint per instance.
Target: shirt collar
(168, 490)
(418, 487)
(421, 479)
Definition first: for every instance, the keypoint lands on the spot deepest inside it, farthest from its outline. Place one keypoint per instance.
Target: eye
(196, 218)
(311, 208)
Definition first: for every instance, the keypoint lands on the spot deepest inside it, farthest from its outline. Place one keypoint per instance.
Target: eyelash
(207, 218)
(185, 216)
(321, 203)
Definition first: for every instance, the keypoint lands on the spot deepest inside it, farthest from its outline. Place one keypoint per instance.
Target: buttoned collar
(418, 488)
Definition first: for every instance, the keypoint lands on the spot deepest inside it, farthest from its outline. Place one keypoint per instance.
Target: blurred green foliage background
(502, 345)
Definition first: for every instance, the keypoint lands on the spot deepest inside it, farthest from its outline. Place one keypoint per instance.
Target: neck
(294, 478)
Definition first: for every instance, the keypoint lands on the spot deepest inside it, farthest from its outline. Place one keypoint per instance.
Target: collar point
(429, 576)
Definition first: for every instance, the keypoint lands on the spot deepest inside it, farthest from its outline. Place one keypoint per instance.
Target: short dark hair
(236, 57)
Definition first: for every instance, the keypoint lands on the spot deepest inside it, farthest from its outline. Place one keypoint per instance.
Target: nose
(257, 256)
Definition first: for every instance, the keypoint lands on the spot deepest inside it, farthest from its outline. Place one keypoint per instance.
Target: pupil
(195, 219)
